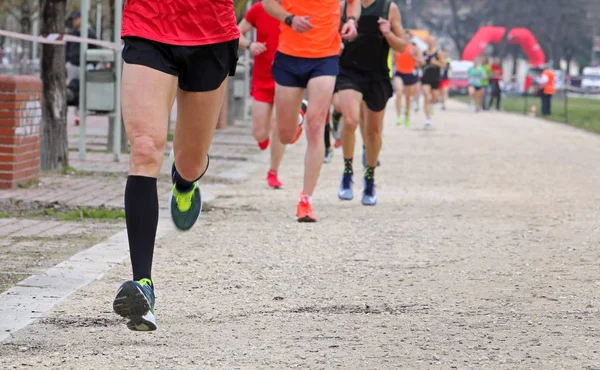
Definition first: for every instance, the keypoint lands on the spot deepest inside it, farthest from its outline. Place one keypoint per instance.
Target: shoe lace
(184, 200)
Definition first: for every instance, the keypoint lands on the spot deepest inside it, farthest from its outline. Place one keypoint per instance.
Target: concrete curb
(32, 297)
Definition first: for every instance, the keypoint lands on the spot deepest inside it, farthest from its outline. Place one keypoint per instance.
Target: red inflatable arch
(521, 36)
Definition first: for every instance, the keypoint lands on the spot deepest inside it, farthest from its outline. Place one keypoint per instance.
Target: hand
(348, 31)
(384, 26)
(257, 48)
(301, 24)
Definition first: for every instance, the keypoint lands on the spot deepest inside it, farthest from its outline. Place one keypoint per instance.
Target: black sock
(370, 173)
(182, 184)
(327, 136)
(141, 217)
(348, 166)
(335, 117)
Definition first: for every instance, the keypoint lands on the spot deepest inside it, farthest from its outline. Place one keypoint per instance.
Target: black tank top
(368, 53)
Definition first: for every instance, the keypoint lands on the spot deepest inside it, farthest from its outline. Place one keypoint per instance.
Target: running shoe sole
(306, 219)
(131, 303)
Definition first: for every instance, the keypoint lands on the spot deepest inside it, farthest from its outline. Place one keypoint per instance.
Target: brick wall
(20, 129)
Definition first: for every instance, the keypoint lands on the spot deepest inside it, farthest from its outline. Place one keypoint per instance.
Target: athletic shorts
(444, 84)
(408, 79)
(198, 68)
(375, 91)
(263, 91)
(296, 72)
(477, 88)
(435, 84)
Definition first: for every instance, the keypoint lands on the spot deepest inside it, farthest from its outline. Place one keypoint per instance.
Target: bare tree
(54, 146)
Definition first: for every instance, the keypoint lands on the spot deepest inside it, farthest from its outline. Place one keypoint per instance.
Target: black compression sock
(336, 116)
(370, 173)
(327, 136)
(348, 166)
(141, 217)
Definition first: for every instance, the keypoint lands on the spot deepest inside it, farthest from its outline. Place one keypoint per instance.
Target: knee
(286, 134)
(315, 122)
(147, 151)
(373, 131)
(350, 122)
(260, 132)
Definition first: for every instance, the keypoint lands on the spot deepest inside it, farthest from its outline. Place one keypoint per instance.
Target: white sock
(308, 197)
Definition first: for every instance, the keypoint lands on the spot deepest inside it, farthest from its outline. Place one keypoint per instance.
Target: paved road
(483, 253)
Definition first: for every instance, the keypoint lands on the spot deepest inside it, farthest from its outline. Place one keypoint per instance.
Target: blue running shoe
(369, 197)
(135, 301)
(346, 192)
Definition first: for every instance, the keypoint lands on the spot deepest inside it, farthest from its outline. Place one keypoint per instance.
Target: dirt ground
(482, 253)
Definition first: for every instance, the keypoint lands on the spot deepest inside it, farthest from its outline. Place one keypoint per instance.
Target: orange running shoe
(300, 121)
(304, 210)
(337, 143)
(273, 180)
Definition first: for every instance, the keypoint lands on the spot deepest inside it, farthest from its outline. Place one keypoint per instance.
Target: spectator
(546, 83)
(73, 50)
(495, 80)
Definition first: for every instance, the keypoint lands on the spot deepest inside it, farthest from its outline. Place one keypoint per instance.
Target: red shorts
(444, 84)
(263, 91)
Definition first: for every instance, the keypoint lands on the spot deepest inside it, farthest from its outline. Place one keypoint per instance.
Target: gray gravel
(482, 253)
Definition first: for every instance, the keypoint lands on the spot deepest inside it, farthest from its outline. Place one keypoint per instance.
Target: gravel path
(482, 253)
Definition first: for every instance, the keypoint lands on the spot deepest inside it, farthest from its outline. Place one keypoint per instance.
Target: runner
(406, 79)
(171, 50)
(445, 80)
(476, 76)
(364, 76)
(307, 58)
(263, 85)
(431, 79)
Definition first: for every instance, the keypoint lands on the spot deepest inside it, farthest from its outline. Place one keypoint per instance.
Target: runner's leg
(319, 93)
(401, 92)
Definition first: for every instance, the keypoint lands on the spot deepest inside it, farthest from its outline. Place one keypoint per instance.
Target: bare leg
(320, 91)
(351, 110)
(428, 99)
(400, 91)
(197, 116)
(277, 147)
(373, 139)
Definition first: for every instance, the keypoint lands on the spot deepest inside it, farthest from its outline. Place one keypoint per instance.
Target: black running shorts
(199, 68)
(376, 91)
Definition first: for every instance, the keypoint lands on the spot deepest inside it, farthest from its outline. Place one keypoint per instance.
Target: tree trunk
(54, 146)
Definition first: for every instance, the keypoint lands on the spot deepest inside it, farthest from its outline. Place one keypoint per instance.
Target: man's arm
(395, 36)
(274, 8)
(353, 9)
(244, 26)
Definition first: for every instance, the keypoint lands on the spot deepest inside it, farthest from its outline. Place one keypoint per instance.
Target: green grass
(89, 213)
(5, 215)
(583, 113)
(29, 184)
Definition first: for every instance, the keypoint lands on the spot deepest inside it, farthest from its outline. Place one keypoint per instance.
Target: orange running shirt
(322, 41)
(405, 62)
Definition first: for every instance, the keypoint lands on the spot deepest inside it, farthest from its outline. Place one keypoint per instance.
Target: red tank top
(181, 22)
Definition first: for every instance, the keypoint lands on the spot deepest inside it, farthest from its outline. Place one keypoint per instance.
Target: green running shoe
(185, 206)
(135, 301)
